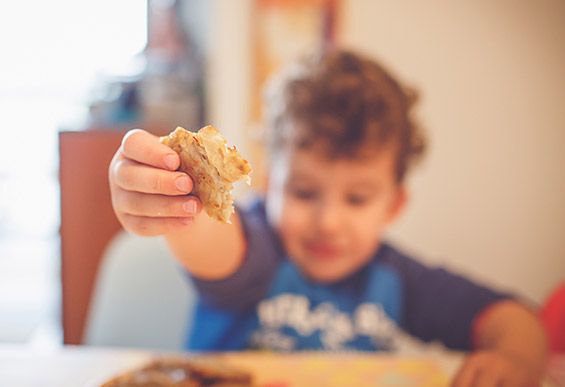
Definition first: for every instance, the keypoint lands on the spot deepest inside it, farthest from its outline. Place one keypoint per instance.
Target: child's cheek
(293, 213)
(293, 221)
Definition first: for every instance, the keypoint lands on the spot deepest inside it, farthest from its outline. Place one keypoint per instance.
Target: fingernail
(171, 161)
(182, 184)
(189, 207)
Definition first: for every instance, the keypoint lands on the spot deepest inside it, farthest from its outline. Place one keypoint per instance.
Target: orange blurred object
(553, 317)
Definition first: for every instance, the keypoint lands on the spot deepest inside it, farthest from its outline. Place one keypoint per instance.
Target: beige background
(489, 199)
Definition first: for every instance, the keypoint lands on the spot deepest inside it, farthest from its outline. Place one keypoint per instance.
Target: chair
(88, 226)
(87, 220)
(142, 297)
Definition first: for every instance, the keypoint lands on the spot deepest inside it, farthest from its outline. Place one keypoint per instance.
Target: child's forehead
(311, 162)
(324, 155)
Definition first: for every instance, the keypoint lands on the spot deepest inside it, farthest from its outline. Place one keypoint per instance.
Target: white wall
(490, 198)
(229, 68)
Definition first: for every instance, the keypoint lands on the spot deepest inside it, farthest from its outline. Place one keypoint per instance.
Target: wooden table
(86, 366)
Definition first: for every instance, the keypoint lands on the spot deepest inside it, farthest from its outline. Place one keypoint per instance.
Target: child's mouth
(322, 250)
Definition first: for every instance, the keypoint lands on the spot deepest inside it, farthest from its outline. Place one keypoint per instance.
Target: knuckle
(118, 201)
(157, 184)
(114, 164)
(123, 220)
(133, 223)
(129, 140)
(133, 203)
(172, 208)
(130, 224)
(126, 144)
(141, 226)
(127, 180)
(122, 177)
(114, 169)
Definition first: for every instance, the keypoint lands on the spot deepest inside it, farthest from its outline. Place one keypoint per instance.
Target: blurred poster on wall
(283, 30)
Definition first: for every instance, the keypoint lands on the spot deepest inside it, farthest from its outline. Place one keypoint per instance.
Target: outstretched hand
(489, 368)
(150, 197)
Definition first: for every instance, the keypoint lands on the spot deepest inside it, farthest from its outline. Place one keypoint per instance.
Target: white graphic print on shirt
(335, 327)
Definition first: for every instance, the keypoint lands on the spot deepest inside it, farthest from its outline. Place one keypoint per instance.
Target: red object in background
(88, 222)
(553, 317)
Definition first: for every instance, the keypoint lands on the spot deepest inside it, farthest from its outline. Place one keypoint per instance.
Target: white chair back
(142, 297)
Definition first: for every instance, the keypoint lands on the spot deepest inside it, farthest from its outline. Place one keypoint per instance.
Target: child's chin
(326, 276)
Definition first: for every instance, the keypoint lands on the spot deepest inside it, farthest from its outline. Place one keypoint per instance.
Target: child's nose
(328, 218)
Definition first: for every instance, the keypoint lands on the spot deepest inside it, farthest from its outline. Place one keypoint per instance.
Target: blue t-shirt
(269, 304)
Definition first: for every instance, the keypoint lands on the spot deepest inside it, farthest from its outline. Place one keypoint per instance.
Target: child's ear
(397, 204)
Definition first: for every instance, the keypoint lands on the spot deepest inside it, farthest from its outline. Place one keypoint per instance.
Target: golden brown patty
(213, 166)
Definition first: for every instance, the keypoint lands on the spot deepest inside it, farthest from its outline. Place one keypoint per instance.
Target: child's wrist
(524, 361)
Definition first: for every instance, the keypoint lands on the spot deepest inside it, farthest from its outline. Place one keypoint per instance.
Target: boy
(306, 267)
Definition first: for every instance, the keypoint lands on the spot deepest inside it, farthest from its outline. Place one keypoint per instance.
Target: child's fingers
(132, 176)
(139, 204)
(147, 226)
(145, 148)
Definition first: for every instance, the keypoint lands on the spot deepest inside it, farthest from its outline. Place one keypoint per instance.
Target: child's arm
(150, 198)
(510, 349)
(209, 249)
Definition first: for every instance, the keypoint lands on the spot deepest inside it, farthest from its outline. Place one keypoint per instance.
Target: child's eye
(303, 194)
(357, 200)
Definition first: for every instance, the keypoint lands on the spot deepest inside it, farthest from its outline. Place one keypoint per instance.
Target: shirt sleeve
(244, 288)
(440, 305)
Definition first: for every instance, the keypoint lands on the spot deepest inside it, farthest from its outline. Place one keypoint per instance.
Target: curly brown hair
(345, 103)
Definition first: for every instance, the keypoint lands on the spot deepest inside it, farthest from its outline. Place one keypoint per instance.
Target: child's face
(330, 214)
